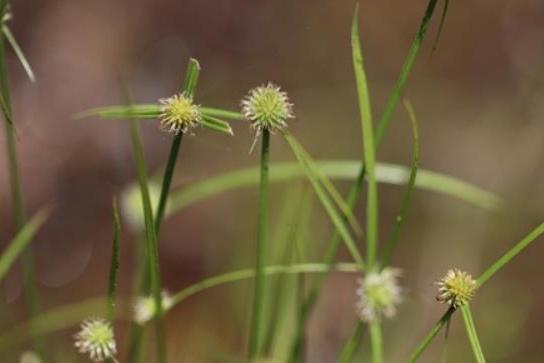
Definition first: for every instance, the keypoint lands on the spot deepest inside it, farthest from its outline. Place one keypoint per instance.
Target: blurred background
(479, 100)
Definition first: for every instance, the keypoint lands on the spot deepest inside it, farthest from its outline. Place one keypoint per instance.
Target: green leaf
(369, 149)
(217, 125)
(336, 170)
(392, 241)
(144, 111)
(18, 244)
(328, 205)
(240, 275)
(216, 112)
(114, 262)
(513, 252)
(472, 335)
(19, 53)
(440, 26)
(422, 346)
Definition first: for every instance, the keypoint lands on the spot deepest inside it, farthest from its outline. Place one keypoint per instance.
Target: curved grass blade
(21, 241)
(19, 53)
(430, 336)
(392, 241)
(472, 335)
(508, 256)
(367, 136)
(245, 274)
(336, 170)
(333, 214)
(114, 263)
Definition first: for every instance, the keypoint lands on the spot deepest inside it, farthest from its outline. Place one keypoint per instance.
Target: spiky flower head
(456, 288)
(267, 107)
(379, 294)
(145, 308)
(96, 339)
(179, 113)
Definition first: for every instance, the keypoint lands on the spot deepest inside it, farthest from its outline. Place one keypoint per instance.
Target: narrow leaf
(216, 112)
(19, 53)
(145, 111)
(114, 262)
(217, 125)
(18, 244)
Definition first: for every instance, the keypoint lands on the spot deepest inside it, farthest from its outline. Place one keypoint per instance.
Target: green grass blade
(369, 149)
(114, 262)
(335, 170)
(151, 238)
(392, 241)
(143, 111)
(18, 244)
(325, 182)
(413, 52)
(352, 344)
(328, 205)
(422, 346)
(444, 356)
(217, 124)
(513, 252)
(245, 274)
(19, 53)
(259, 296)
(472, 335)
(216, 112)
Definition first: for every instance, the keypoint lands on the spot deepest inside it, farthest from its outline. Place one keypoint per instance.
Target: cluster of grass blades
(283, 297)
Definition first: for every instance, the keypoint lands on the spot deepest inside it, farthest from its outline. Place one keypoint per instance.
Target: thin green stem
(114, 264)
(472, 335)
(352, 344)
(258, 316)
(513, 252)
(29, 279)
(430, 336)
(376, 342)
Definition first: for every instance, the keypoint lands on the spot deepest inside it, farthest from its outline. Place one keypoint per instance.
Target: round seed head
(96, 339)
(379, 294)
(145, 308)
(456, 288)
(267, 107)
(179, 114)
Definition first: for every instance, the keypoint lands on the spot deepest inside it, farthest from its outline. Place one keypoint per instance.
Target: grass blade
(240, 275)
(19, 53)
(430, 336)
(216, 124)
(21, 241)
(143, 111)
(441, 26)
(216, 112)
(472, 335)
(151, 239)
(352, 344)
(444, 356)
(368, 142)
(114, 263)
(333, 214)
(407, 197)
(513, 252)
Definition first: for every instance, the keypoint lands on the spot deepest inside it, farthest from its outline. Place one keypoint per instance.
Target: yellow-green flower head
(456, 288)
(379, 294)
(96, 339)
(144, 307)
(179, 114)
(267, 107)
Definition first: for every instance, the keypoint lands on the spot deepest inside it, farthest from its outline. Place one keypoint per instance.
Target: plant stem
(151, 238)
(472, 335)
(430, 336)
(29, 279)
(352, 344)
(257, 320)
(376, 342)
